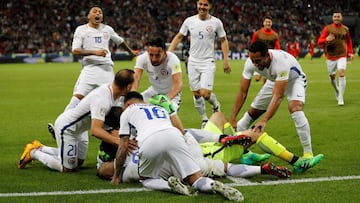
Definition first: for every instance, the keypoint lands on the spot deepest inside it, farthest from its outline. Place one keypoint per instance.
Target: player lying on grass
(231, 152)
(246, 157)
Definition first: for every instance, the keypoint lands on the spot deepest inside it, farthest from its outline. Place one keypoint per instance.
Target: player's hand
(350, 57)
(163, 101)
(330, 37)
(133, 52)
(259, 127)
(132, 146)
(101, 52)
(233, 123)
(115, 180)
(227, 68)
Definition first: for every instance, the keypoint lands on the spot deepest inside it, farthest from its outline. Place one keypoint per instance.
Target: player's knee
(255, 113)
(79, 96)
(197, 94)
(295, 106)
(341, 73)
(206, 94)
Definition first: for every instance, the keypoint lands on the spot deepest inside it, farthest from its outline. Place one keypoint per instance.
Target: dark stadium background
(46, 26)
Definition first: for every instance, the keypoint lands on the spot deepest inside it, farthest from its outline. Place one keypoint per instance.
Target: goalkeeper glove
(163, 101)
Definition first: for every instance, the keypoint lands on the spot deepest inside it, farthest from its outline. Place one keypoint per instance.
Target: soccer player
(89, 114)
(267, 35)
(91, 41)
(162, 146)
(336, 41)
(220, 147)
(209, 167)
(203, 29)
(164, 72)
(284, 78)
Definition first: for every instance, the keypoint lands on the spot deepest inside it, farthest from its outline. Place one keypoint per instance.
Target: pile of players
(143, 132)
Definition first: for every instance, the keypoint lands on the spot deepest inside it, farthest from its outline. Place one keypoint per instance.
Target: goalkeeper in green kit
(219, 141)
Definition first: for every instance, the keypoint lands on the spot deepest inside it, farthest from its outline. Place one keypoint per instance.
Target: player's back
(147, 119)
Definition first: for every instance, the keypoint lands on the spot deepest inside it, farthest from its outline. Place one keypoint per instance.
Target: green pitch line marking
(238, 182)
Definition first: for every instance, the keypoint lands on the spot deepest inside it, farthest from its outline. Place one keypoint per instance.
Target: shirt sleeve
(322, 38)
(124, 126)
(77, 40)
(220, 29)
(184, 27)
(254, 37)
(174, 64)
(349, 44)
(115, 37)
(141, 61)
(99, 108)
(249, 69)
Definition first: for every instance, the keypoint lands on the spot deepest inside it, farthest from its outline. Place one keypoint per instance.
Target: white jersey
(146, 119)
(94, 106)
(283, 66)
(202, 36)
(160, 77)
(89, 38)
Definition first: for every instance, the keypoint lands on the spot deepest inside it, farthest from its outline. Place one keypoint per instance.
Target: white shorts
(150, 92)
(295, 90)
(72, 146)
(209, 167)
(166, 151)
(201, 75)
(93, 76)
(335, 65)
(264, 96)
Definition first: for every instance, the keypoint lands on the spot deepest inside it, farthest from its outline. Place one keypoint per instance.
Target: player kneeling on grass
(208, 166)
(89, 114)
(162, 148)
(230, 148)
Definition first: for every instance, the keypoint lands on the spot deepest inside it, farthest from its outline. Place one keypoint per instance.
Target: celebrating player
(336, 41)
(70, 125)
(164, 73)
(284, 77)
(203, 29)
(161, 146)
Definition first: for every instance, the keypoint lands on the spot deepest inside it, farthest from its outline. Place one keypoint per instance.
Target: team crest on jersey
(106, 36)
(209, 29)
(164, 72)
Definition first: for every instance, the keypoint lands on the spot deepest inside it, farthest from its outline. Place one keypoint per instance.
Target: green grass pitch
(34, 94)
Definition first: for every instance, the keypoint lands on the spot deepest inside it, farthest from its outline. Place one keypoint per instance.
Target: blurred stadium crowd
(47, 26)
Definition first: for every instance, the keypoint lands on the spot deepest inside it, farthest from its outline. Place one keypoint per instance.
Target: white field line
(238, 182)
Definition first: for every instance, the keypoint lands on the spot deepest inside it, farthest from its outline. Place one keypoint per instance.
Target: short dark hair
(124, 77)
(112, 119)
(133, 95)
(157, 42)
(267, 17)
(259, 46)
